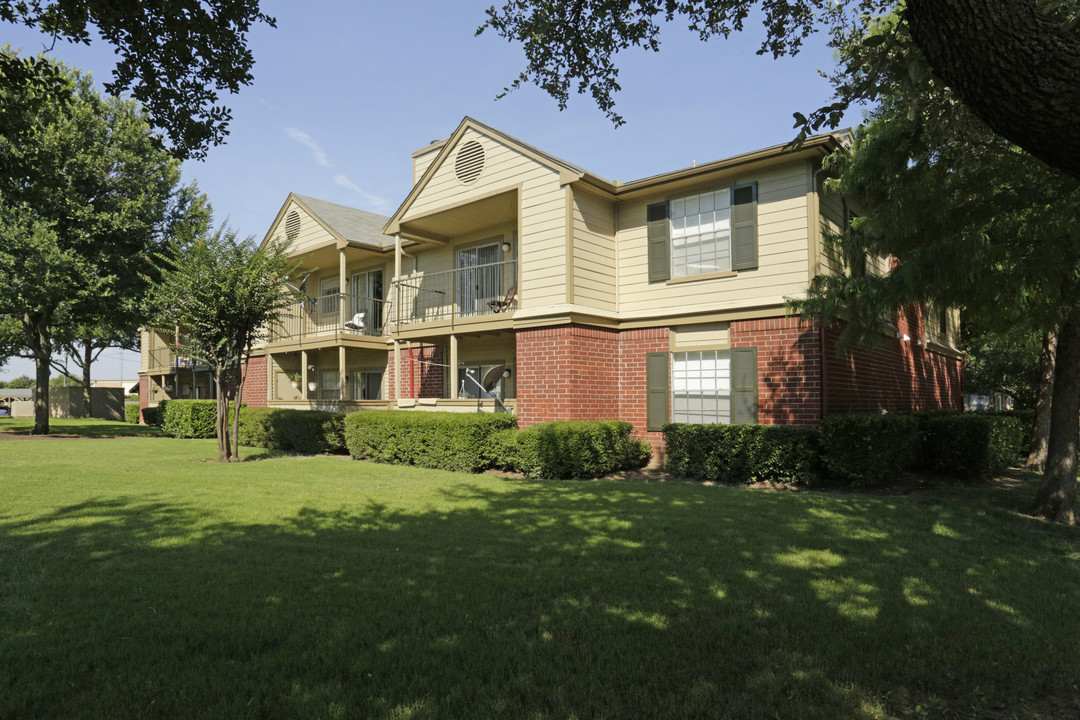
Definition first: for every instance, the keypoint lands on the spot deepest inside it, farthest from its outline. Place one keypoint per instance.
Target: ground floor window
(367, 385)
(701, 387)
(328, 385)
(484, 381)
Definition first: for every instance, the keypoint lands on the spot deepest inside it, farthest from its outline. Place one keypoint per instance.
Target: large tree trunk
(1040, 431)
(221, 421)
(41, 396)
(1056, 497)
(1013, 65)
(88, 359)
(242, 369)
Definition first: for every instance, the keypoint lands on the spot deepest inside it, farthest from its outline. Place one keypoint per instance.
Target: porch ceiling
(464, 218)
(325, 257)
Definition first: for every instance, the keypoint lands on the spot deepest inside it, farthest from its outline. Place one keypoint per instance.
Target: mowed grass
(139, 580)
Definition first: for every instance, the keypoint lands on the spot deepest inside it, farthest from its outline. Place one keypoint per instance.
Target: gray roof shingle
(358, 226)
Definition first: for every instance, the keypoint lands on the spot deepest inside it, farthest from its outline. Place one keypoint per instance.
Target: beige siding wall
(311, 235)
(783, 253)
(832, 222)
(542, 232)
(594, 281)
(422, 162)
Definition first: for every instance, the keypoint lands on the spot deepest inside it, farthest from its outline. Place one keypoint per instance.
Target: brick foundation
(567, 372)
(255, 387)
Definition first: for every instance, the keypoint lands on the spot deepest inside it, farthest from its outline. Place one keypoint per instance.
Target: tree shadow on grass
(65, 428)
(542, 601)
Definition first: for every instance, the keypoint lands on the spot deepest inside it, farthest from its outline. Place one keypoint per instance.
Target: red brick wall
(568, 372)
(144, 394)
(422, 372)
(896, 376)
(255, 387)
(634, 346)
(789, 368)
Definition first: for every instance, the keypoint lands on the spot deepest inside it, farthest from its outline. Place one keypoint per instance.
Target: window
(328, 385)
(478, 279)
(367, 298)
(701, 234)
(701, 387)
(367, 385)
(329, 294)
(471, 382)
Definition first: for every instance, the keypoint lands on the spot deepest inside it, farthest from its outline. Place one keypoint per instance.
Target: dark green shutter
(744, 387)
(659, 243)
(656, 382)
(744, 255)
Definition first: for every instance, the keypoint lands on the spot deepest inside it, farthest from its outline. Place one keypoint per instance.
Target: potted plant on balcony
(295, 379)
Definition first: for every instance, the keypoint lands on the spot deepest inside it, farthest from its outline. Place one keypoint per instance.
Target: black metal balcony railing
(464, 292)
(321, 316)
(166, 358)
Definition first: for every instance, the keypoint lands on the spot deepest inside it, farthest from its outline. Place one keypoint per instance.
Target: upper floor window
(710, 232)
(701, 233)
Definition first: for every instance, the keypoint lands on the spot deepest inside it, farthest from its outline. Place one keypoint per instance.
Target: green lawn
(138, 580)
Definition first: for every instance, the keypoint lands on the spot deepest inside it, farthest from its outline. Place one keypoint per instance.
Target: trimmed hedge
(152, 415)
(131, 413)
(869, 449)
(782, 454)
(565, 450)
(189, 418)
(971, 445)
(308, 432)
(444, 440)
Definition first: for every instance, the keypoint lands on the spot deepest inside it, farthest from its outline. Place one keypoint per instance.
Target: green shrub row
(851, 449)
(782, 454)
(570, 449)
(868, 449)
(131, 413)
(972, 445)
(449, 441)
(152, 415)
(308, 432)
(189, 418)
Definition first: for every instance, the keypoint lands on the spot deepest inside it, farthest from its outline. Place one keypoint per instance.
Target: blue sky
(344, 92)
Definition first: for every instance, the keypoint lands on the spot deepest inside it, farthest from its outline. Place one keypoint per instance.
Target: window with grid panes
(701, 233)
(701, 387)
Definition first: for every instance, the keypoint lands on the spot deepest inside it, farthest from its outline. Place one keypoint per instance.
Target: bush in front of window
(572, 449)
(131, 413)
(869, 449)
(444, 440)
(308, 432)
(780, 454)
(189, 418)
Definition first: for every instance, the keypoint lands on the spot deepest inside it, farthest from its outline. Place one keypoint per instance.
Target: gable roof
(357, 226)
(568, 171)
(347, 224)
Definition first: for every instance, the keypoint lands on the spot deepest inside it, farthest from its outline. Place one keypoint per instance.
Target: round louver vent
(292, 224)
(470, 162)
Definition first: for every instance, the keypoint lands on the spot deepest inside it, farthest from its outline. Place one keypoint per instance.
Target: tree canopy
(223, 292)
(1012, 62)
(88, 198)
(175, 57)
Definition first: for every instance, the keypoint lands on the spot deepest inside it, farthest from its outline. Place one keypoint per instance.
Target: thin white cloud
(307, 141)
(372, 200)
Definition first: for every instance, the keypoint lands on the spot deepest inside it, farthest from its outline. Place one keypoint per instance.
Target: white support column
(453, 368)
(397, 370)
(397, 256)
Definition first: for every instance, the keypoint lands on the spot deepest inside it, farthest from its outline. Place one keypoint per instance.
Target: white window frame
(701, 387)
(329, 296)
(357, 384)
(365, 302)
(329, 385)
(699, 228)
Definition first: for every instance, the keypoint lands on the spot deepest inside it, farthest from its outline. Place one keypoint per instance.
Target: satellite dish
(492, 377)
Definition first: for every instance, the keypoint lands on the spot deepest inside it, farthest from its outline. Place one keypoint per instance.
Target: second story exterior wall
(783, 248)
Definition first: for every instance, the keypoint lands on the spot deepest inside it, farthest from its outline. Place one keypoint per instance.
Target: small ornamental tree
(223, 292)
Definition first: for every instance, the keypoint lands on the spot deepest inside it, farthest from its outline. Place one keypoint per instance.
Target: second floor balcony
(466, 292)
(322, 317)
